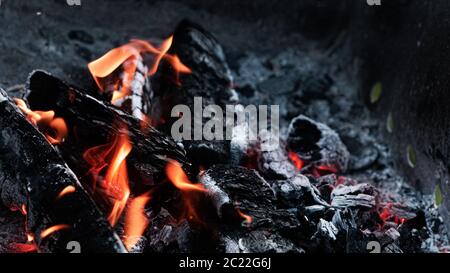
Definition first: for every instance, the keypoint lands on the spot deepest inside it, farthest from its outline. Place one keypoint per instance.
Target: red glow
(22, 248)
(298, 163)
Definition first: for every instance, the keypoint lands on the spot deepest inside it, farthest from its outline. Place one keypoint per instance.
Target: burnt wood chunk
(317, 143)
(33, 174)
(131, 80)
(92, 123)
(210, 79)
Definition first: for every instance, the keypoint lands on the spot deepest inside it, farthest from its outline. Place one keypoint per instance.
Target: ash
(313, 84)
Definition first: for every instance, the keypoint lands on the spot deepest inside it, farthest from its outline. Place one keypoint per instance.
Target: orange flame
(136, 220)
(116, 179)
(23, 209)
(65, 191)
(127, 56)
(53, 229)
(298, 163)
(46, 122)
(179, 179)
(248, 220)
(30, 237)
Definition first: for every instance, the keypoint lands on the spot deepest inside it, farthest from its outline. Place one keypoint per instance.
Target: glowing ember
(53, 229)
(136, 220)
(327, 168)
(54, 129)
(298, 163)
(115, 182)
(127, 56)
(65, 191)
(22, 248)
(179, 178)
(247, 219)
(387, 215)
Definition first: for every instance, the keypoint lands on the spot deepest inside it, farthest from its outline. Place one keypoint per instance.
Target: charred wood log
(210, 79)
(92, 123)
(33, 174)
(128, 87)
(246, 207)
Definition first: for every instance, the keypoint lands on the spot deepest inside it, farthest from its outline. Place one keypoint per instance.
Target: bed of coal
(87, 157)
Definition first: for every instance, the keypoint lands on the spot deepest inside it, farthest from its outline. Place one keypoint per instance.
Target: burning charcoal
(73, 216)
(128, 87)
(298, 191)
(317, 143)
(92, 123)
(273, 160)
(231, 188)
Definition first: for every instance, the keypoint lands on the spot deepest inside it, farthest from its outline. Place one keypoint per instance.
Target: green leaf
(390, 123)
(375, 93)
(411, 156)
(438, 196)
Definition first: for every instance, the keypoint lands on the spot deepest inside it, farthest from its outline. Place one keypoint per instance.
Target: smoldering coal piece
(234, 187)
(317, 143)
(249, 219)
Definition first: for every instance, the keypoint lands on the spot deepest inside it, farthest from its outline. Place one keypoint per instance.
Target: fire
(248, 220)
(53, 229)
(115, 181)
(54, 129)
(127, 56)
(179, 179)
(65, 191)
(136, 220)
(298, 163)
(23, 209)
